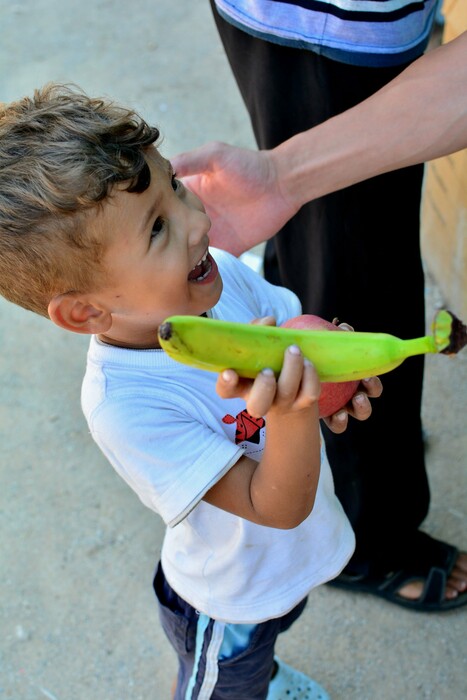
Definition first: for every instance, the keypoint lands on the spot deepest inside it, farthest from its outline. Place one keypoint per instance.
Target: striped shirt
(360, 32)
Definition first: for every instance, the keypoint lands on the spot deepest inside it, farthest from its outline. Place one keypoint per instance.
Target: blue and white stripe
(214, 641)
(360, 32)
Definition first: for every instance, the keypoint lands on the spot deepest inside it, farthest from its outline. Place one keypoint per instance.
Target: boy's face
(156, 257)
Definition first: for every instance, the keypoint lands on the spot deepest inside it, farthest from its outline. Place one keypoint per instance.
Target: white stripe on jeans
(212, 656)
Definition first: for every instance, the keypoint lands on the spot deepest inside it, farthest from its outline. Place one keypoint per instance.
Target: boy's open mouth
(202, 269)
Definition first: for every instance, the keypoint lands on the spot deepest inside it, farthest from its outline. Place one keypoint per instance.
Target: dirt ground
(78, 620)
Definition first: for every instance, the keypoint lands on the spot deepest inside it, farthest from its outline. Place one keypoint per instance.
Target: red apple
(334, 395)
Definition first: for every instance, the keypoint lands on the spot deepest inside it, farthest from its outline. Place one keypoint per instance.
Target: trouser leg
(219, 660)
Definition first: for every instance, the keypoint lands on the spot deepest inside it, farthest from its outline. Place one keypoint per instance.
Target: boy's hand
(230, 385)
(297, 387)
(359, 407)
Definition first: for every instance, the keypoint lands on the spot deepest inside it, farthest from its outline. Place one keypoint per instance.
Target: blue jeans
(218, 660)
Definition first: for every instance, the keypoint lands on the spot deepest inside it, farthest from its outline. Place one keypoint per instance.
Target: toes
(450, 592)
(457, 580)
(461, 564)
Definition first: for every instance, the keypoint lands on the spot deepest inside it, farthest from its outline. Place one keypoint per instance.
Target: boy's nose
(199, 224)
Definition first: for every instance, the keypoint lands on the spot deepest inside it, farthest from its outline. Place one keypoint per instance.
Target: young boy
(97, 233)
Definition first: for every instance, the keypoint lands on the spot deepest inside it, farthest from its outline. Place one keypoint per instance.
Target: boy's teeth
(201, 261)
(199, 271)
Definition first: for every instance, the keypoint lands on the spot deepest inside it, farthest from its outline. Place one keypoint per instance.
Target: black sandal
(435, 572)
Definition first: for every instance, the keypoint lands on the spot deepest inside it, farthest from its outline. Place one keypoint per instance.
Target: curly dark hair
(61, 153)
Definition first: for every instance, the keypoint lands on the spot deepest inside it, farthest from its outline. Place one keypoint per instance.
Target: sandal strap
(433, 589)
(435, 586)
(429, 553)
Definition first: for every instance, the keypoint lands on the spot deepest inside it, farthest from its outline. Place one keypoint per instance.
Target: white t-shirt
(167, 433)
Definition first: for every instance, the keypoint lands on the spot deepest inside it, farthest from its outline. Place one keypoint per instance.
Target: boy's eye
(157, 227)
(176, 184)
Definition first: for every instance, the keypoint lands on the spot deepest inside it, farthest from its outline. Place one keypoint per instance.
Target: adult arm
(418, 116)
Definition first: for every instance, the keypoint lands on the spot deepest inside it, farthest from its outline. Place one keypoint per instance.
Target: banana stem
(419, 346)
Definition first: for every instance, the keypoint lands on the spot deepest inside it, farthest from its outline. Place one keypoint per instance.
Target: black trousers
(354, 254)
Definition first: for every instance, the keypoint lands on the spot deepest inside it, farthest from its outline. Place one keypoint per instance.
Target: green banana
(338, 357)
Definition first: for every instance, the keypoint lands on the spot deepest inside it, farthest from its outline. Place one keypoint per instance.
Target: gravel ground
(78, 619)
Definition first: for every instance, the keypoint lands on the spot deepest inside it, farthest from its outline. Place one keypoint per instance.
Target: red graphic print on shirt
(248, 427)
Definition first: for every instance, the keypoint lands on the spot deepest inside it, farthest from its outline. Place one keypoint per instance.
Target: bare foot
(456, 583)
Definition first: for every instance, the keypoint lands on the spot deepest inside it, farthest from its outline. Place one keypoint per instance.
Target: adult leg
(353, 254)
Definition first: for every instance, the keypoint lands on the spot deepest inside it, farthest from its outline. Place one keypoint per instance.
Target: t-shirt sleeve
(169, 456)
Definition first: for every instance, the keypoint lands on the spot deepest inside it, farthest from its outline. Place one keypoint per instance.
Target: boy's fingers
(338, 422)
(227, 385)
(373, 386)
(264, 321)
(360, 406)
(258, 394)
(298, 385)
(262, 394)
(291, 375)
(310, 389)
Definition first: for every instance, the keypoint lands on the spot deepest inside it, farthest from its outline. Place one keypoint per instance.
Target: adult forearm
(420, 115)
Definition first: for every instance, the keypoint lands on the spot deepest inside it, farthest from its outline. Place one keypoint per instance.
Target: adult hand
(240, 191)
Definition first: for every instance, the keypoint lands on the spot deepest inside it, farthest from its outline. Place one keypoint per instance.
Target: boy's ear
(74, 313)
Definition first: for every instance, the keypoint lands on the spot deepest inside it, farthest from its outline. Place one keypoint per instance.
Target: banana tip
(165, 331)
